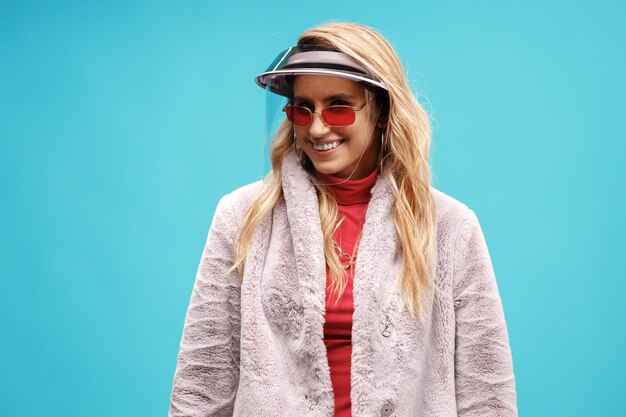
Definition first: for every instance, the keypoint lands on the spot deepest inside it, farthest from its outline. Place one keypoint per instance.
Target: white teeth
(326, 146)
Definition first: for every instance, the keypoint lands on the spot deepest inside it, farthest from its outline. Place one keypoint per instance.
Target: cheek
(301, 135)
(359, 137)
(361, 130)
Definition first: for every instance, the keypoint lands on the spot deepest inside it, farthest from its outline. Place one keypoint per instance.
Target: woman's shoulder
(232, 207)
(447, 204)
(238, 200)
(451, 213)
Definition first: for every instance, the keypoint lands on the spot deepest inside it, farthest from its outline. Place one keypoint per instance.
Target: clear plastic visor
(274, 118)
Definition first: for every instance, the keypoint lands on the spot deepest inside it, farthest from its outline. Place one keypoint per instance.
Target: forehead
(322, 87)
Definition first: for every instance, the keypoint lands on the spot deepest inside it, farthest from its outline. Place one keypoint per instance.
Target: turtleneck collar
(349, 192)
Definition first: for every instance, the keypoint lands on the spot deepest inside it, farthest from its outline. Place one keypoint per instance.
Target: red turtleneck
(352, 196)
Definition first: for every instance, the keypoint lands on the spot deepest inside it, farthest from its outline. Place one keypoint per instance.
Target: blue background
(124, 122)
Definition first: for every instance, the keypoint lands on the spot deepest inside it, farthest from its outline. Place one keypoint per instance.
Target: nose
(318, 128)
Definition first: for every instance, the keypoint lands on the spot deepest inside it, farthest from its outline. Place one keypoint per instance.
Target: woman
(344, 284)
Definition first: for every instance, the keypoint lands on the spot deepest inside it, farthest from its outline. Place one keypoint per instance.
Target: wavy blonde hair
(404, 152)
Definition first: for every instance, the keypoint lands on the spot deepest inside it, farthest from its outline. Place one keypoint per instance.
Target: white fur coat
(258, 349)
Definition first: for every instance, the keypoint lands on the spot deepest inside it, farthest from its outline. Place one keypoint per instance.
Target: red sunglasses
(333, 116)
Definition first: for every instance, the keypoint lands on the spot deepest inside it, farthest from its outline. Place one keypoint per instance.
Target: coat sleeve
(207, 372)
(484, 380)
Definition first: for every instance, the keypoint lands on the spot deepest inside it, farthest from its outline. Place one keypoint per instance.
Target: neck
(349, 191)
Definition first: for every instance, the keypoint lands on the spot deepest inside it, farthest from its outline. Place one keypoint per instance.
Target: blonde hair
(405, 155)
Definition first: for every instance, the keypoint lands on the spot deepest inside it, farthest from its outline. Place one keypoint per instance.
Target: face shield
(274, 119)
(278, 78)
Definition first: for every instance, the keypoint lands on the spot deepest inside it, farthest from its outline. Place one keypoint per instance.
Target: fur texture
(258, 350)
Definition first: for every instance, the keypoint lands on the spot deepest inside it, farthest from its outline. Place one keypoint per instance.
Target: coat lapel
(306, 233)
(373, 278)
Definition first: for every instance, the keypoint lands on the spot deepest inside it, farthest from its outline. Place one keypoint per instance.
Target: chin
(328, 169)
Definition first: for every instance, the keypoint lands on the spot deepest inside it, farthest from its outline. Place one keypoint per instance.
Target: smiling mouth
(327, 146)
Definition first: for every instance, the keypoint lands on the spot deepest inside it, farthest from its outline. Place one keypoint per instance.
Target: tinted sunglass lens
(298, 115)
(338, 115)
(301, 116)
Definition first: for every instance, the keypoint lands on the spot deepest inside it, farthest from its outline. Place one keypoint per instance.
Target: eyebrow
(331, 98)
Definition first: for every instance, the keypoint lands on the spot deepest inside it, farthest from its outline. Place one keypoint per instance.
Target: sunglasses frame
(311, 113)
